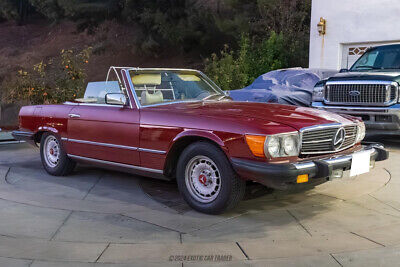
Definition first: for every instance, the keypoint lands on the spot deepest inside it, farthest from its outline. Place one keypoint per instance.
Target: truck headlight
(318, 93)
(282, 145)
(360, 132)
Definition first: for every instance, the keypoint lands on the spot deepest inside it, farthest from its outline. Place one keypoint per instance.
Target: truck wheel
(54, 159)
(207, 180)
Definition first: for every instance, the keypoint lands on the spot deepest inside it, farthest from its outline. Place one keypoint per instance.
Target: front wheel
(207, 180)
(54, 158)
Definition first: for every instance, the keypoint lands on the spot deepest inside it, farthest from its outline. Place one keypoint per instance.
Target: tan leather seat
(148, 98)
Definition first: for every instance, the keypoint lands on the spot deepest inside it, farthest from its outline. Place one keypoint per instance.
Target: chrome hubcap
(203, 179)
(51, 151)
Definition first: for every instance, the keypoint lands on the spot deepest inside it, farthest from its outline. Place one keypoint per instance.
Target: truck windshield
(379, 58)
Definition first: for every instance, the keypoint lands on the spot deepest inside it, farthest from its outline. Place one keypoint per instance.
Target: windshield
(379, 58)
(167, 86)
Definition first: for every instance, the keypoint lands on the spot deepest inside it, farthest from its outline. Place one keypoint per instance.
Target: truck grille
(360, 94)
(320, 140)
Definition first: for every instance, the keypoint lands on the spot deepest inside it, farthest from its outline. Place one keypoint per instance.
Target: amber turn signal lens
(256, 144)
(303, 178)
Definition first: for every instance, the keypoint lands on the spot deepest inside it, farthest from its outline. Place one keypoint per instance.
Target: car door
(104, 132)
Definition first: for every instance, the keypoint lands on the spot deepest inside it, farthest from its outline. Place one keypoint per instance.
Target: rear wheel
(54, 158)
(206, 179)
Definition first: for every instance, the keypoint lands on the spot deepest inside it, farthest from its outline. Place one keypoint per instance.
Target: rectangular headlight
(360, 132)
(282, 145)
(318, 93)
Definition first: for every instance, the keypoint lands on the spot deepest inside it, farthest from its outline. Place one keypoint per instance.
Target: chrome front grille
(379, 94)
(319, 140)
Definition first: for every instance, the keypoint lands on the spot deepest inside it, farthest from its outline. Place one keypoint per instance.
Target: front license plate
(360, 163)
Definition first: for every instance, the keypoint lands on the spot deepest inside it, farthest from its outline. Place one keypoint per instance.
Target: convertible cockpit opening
(169, 86)
(96, 91)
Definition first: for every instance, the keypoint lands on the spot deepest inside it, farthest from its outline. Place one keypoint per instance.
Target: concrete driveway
(104, 218)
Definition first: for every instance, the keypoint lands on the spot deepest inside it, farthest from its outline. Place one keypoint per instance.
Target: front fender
(199, 133)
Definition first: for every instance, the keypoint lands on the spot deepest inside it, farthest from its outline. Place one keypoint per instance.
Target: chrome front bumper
(282, 176)
(378, 120)
(324, 167)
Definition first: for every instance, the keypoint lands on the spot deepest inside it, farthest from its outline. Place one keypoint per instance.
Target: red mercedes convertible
(177, 124)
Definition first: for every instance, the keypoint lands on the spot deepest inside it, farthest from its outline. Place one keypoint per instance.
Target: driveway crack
(373, 241)
(101, 254)
(93, 186)
(59, 228)
(6, 175)
(335, 259)
(298, 221)
(164, 227)
(219, 222)
(384, 203)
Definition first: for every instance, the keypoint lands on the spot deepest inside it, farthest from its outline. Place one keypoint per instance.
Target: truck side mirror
(116, 99)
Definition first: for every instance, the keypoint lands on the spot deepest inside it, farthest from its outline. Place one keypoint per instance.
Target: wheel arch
(41, 130)
(182, 141)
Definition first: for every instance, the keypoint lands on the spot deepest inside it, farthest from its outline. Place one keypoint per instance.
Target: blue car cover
(286, 86)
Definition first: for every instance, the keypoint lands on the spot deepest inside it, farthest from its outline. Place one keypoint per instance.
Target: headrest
(151, 98)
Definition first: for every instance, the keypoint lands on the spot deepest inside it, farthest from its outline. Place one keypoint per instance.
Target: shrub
(8, 10)
(56, 81)
(233, 70)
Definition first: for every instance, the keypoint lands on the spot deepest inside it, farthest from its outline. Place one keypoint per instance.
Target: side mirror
(343, 70)
(116, 99)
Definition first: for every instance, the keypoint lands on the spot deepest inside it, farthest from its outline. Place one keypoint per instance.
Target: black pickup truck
(369, 89)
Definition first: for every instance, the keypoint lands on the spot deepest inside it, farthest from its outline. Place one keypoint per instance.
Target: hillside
(113, 44)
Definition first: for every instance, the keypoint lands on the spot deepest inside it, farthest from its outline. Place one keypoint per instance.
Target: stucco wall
(351, 23)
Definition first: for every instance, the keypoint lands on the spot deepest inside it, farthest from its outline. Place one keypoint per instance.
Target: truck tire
(207, 180)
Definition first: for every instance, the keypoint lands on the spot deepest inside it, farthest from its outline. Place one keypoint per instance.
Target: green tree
(16, 10)
(233, 70)
(48, 8)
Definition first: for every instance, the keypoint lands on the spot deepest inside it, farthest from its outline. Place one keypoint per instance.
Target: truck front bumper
(282, 176)
(378, 120)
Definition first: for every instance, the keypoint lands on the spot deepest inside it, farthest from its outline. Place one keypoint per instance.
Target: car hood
(295, 117)
(380, 75)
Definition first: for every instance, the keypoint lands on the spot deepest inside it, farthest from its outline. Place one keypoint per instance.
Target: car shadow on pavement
(95, 184)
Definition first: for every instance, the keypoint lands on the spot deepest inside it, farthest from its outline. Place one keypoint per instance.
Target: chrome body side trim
(138, 168)
(152, 151)
(161, 152)
(92, 104)
(99, 144)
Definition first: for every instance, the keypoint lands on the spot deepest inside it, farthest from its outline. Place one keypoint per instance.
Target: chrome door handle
(74, 115)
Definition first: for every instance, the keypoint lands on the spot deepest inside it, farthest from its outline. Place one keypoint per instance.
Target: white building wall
(351, 24)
